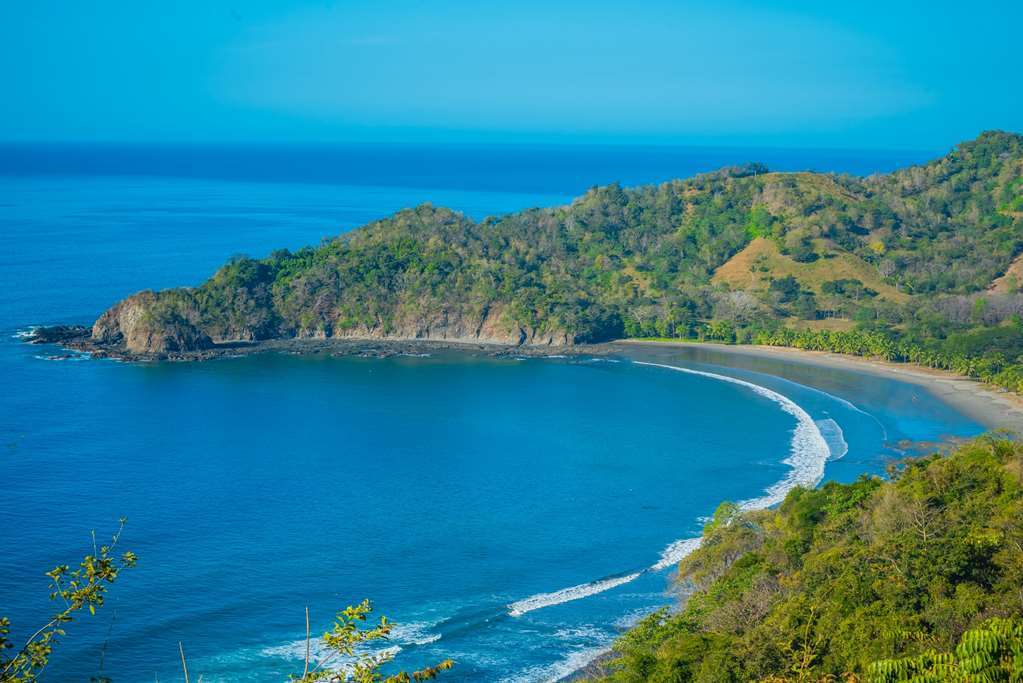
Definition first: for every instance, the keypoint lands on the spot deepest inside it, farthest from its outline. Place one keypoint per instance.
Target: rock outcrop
(489, 326)
(147, 324)
(137, 324)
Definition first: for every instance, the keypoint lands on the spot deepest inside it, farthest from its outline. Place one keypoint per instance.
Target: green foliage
(759, 222)
(787, 289)
(74, 590)
(847, 287)
(980, 353)
(871, 580)
(85, 587)
(639, 262)
(950, 235)
(346, 659)
(989, 654)
(802, 250)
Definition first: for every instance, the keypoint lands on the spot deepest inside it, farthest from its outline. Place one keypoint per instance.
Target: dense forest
(923, 259)
(919, 578)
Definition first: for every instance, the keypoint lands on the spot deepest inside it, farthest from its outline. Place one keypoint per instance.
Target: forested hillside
(915, 579)
(724, 255)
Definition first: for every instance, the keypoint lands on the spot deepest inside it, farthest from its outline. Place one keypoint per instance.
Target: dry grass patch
(755, 266)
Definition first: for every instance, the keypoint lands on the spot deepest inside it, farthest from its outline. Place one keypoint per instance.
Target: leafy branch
(75, 589)
(347, 659)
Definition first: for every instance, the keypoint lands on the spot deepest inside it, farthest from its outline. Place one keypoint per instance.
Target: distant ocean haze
(510, 514)
(566, 170)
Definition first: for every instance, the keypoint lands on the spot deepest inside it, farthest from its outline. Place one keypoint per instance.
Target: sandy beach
(992, 407)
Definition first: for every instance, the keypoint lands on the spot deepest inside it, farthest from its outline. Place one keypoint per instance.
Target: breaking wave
(808, 453)
(402, 636)
(70, 356)
(834, 437)
(583, 590)
(855, 408)
(571, 663)
(676, 552)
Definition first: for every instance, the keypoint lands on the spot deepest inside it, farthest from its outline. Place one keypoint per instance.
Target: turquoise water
(513, 515)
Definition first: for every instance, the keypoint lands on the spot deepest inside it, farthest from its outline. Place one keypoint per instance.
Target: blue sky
(850, 74)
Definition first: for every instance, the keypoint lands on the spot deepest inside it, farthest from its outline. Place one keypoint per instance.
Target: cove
(462, 494)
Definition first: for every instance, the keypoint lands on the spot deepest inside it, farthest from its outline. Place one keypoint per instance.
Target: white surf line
(808, 452)
(835, 438)
(583, 590)
(676, 552)
(807, 455)
(852, 406)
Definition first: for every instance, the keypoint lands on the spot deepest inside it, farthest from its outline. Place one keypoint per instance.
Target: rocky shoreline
(78, 338)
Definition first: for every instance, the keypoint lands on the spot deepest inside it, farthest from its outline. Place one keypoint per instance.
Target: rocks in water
(58, 334)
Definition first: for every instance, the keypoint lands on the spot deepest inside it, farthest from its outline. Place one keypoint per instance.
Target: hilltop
(720, 255)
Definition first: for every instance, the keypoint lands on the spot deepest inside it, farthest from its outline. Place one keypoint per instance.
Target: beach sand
(994, 408)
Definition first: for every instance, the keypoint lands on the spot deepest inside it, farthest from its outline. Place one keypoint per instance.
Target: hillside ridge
(617, 262)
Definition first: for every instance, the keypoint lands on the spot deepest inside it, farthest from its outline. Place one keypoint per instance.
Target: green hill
(722, 255)
(870, 581)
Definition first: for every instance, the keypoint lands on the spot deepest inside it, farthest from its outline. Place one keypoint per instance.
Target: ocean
(514, 515)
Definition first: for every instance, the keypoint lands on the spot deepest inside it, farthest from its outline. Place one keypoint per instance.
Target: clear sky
(841, 74)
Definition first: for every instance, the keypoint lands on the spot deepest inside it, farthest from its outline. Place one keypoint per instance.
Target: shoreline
(993, 408)
(76, 339)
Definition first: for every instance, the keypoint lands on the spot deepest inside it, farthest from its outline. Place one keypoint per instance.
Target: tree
(869, 581)
(75, 589)
(787, 288)
(805, 306)
(989, 654)
(346, 641)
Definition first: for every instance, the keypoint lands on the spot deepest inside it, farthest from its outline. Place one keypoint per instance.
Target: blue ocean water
(513, 515)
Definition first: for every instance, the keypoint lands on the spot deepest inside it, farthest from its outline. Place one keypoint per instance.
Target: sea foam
(676, 552)
(402, 636)
(855, 408)
(571, 663)
(835, 438)
(808, 453)
(583, 590)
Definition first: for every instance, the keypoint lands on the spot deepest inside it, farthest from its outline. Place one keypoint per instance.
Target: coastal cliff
(150, 323)
(718, 256)
(132, 324)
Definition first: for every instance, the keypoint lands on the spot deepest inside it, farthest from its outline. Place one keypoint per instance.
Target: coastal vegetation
(343, 654)
(917, 578)
(73, 590)
(918, 265)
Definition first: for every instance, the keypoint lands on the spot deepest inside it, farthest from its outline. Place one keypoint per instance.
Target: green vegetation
(73, 590)
(991, 354)
(913, 579)
(993, 652)
(896, 266)
(346, 641)
(344, 657)
(898, 252)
